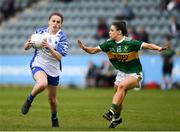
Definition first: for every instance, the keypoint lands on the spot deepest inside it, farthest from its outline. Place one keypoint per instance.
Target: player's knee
(52, 100)
(120, 87)
(42, 84)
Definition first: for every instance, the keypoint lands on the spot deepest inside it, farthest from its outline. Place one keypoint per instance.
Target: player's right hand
(29, 43)
(80, 43)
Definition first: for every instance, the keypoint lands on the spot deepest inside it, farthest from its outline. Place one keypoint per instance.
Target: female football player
(123, 54)
(46, 63)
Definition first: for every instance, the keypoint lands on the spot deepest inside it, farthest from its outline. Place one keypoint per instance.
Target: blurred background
(156, 21)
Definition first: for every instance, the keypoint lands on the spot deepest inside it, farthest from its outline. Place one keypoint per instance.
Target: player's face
(113, 32)
(55, 23)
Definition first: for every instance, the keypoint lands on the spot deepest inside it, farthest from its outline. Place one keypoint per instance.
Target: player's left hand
(163, 48)
(45, 44)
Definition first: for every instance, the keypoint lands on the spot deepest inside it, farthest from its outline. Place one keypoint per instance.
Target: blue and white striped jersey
(43, 58)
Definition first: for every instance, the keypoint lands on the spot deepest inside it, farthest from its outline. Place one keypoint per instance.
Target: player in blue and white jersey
(46, 63)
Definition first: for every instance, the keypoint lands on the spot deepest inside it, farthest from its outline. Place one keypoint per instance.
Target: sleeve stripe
(141, 45)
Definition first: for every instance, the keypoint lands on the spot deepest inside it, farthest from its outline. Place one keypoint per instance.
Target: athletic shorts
(167, 69)
(121, 76)
(54, 81)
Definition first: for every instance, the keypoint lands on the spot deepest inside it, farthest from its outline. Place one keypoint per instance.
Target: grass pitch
(81, 110)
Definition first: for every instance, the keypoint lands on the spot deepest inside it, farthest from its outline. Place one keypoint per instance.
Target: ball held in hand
(37, 40)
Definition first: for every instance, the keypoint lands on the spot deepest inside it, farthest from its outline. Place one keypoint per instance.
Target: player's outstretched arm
(152, 46)
(90, 50)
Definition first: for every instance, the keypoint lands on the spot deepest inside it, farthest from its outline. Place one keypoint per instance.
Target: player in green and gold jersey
(123, 54)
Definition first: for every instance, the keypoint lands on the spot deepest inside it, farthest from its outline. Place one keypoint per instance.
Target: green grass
(81, 110)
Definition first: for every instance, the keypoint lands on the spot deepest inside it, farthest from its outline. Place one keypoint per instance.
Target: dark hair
(57, 14)
(120, 25)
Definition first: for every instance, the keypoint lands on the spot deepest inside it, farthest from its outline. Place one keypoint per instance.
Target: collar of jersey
(121, 40)
(47, 30)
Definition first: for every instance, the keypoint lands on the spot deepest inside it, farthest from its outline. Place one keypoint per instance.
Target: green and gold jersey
(123, 55)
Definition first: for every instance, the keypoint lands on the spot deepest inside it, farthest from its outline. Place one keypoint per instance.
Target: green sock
(116, 109)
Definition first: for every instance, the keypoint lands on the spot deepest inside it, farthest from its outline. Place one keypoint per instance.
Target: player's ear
(120, 32)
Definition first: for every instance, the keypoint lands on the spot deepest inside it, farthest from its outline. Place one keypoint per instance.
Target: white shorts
(121, 76)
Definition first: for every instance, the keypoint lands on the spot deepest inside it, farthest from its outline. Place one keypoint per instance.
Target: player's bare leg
(128, 83)
(41, 83)
(121, 90)
(53, 104)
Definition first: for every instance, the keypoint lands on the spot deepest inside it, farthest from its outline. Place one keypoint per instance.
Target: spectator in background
(132, 33)
(91, 74)
(109, 75)
(167, 65)
(100, 74)
(102, 29)
(163, 4)
(143, 35)
(104, 76)
(174, 27)
(173, 5)
(125, 12)
(7, 8)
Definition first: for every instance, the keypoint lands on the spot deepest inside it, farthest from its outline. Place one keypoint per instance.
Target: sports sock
(116, 109)
(30, 98)
(54, 115)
